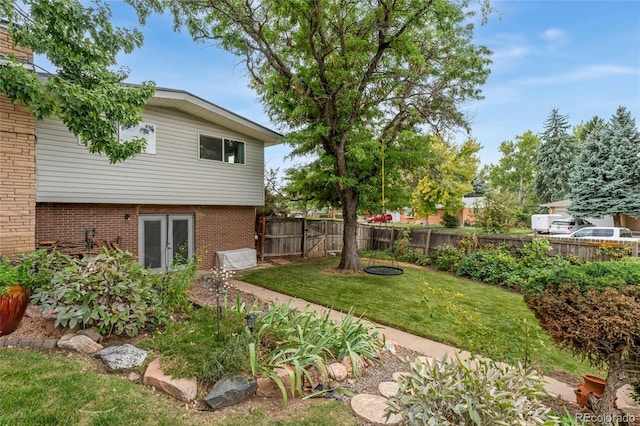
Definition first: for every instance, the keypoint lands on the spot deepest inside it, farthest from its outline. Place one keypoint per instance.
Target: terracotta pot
(582, 398)
(594, 384)
(12, 308)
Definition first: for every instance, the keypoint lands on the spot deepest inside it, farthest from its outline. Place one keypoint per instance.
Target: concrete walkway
(420, 344)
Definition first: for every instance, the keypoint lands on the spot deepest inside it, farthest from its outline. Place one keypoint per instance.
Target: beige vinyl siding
(66, 172)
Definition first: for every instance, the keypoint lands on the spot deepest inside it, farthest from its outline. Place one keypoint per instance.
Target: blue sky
(582, 57)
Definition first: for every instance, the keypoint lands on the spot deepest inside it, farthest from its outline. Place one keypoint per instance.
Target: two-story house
(196, 186)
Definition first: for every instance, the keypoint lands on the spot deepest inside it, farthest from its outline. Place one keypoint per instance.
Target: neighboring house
(465, 215)
(196, 187)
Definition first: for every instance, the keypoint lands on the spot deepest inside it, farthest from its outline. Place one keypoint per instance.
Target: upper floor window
(220, 149)
(141, 130)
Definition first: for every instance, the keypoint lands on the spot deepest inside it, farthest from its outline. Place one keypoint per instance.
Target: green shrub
(490, 265)
(452, 392)
(447, 258)
(450, 220)
(110, 291)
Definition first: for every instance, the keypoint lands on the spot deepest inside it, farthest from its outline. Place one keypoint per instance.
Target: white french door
(163, 238)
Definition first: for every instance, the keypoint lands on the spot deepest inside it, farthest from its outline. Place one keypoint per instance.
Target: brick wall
(17, 168)
(216, 228)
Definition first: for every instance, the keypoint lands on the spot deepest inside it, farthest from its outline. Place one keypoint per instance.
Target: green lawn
(472, 316)
(55, 389)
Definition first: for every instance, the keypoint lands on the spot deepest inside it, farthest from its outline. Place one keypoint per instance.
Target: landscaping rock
(371, 408)
(125, 357)
(358, 363)
(79, 343)
(227, 392)
(315, 379)
(269, 389)
(91, 333)
(184, 390)
(337, 371)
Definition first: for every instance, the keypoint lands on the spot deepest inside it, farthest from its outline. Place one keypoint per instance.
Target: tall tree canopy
(86, 93)
(554, 159)
(606, 176)
(515, 172)
(350, 79)
(448, 180)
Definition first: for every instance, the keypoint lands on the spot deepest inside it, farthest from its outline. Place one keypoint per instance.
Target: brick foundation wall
(216, 228)
(17, 168)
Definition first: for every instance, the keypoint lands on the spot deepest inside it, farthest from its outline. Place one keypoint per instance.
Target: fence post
(263, 229)
(304, 238)
(635, 249)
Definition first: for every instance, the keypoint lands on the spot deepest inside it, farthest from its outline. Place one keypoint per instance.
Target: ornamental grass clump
(450, 391)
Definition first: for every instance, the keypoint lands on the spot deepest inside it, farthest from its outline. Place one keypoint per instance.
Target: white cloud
(554, 35)
(589, 72)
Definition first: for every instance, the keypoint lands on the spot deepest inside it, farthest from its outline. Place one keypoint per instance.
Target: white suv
(602, 233)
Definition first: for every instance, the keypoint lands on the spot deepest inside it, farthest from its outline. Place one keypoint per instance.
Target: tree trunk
(349, 260)
(616, 378)
(616, 220)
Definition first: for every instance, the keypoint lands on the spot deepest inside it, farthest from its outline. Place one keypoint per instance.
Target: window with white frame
(221, 149)
(142, 130)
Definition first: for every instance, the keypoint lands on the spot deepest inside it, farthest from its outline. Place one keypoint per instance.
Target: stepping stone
(388, 389)
(371, 409)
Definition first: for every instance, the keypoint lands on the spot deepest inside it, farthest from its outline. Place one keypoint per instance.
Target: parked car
(567, 225)
(380, 218)
(602, 233)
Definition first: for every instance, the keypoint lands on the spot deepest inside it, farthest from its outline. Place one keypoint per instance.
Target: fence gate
(315, 238)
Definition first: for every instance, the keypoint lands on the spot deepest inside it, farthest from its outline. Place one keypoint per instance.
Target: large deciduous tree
(515, 172)
(85, 92)
(606, 175)
(448, 180)
(349, 78)
(554, 158)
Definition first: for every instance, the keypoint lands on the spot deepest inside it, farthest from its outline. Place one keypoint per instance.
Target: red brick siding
(216, 228)
(17, 169)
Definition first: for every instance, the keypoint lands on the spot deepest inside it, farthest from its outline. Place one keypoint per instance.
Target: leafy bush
(489, 265)
(594, 310)
(110, 291)
(450, 220)
(447, 258)
(453, 392)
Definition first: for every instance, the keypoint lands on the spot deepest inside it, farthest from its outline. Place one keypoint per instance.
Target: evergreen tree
(606, 178)
(554, 158)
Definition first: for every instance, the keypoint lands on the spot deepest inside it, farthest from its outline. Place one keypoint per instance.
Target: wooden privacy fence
(311, 237)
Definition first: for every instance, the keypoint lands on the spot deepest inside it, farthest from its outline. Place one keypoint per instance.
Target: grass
(476, 317)
(54, 389)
